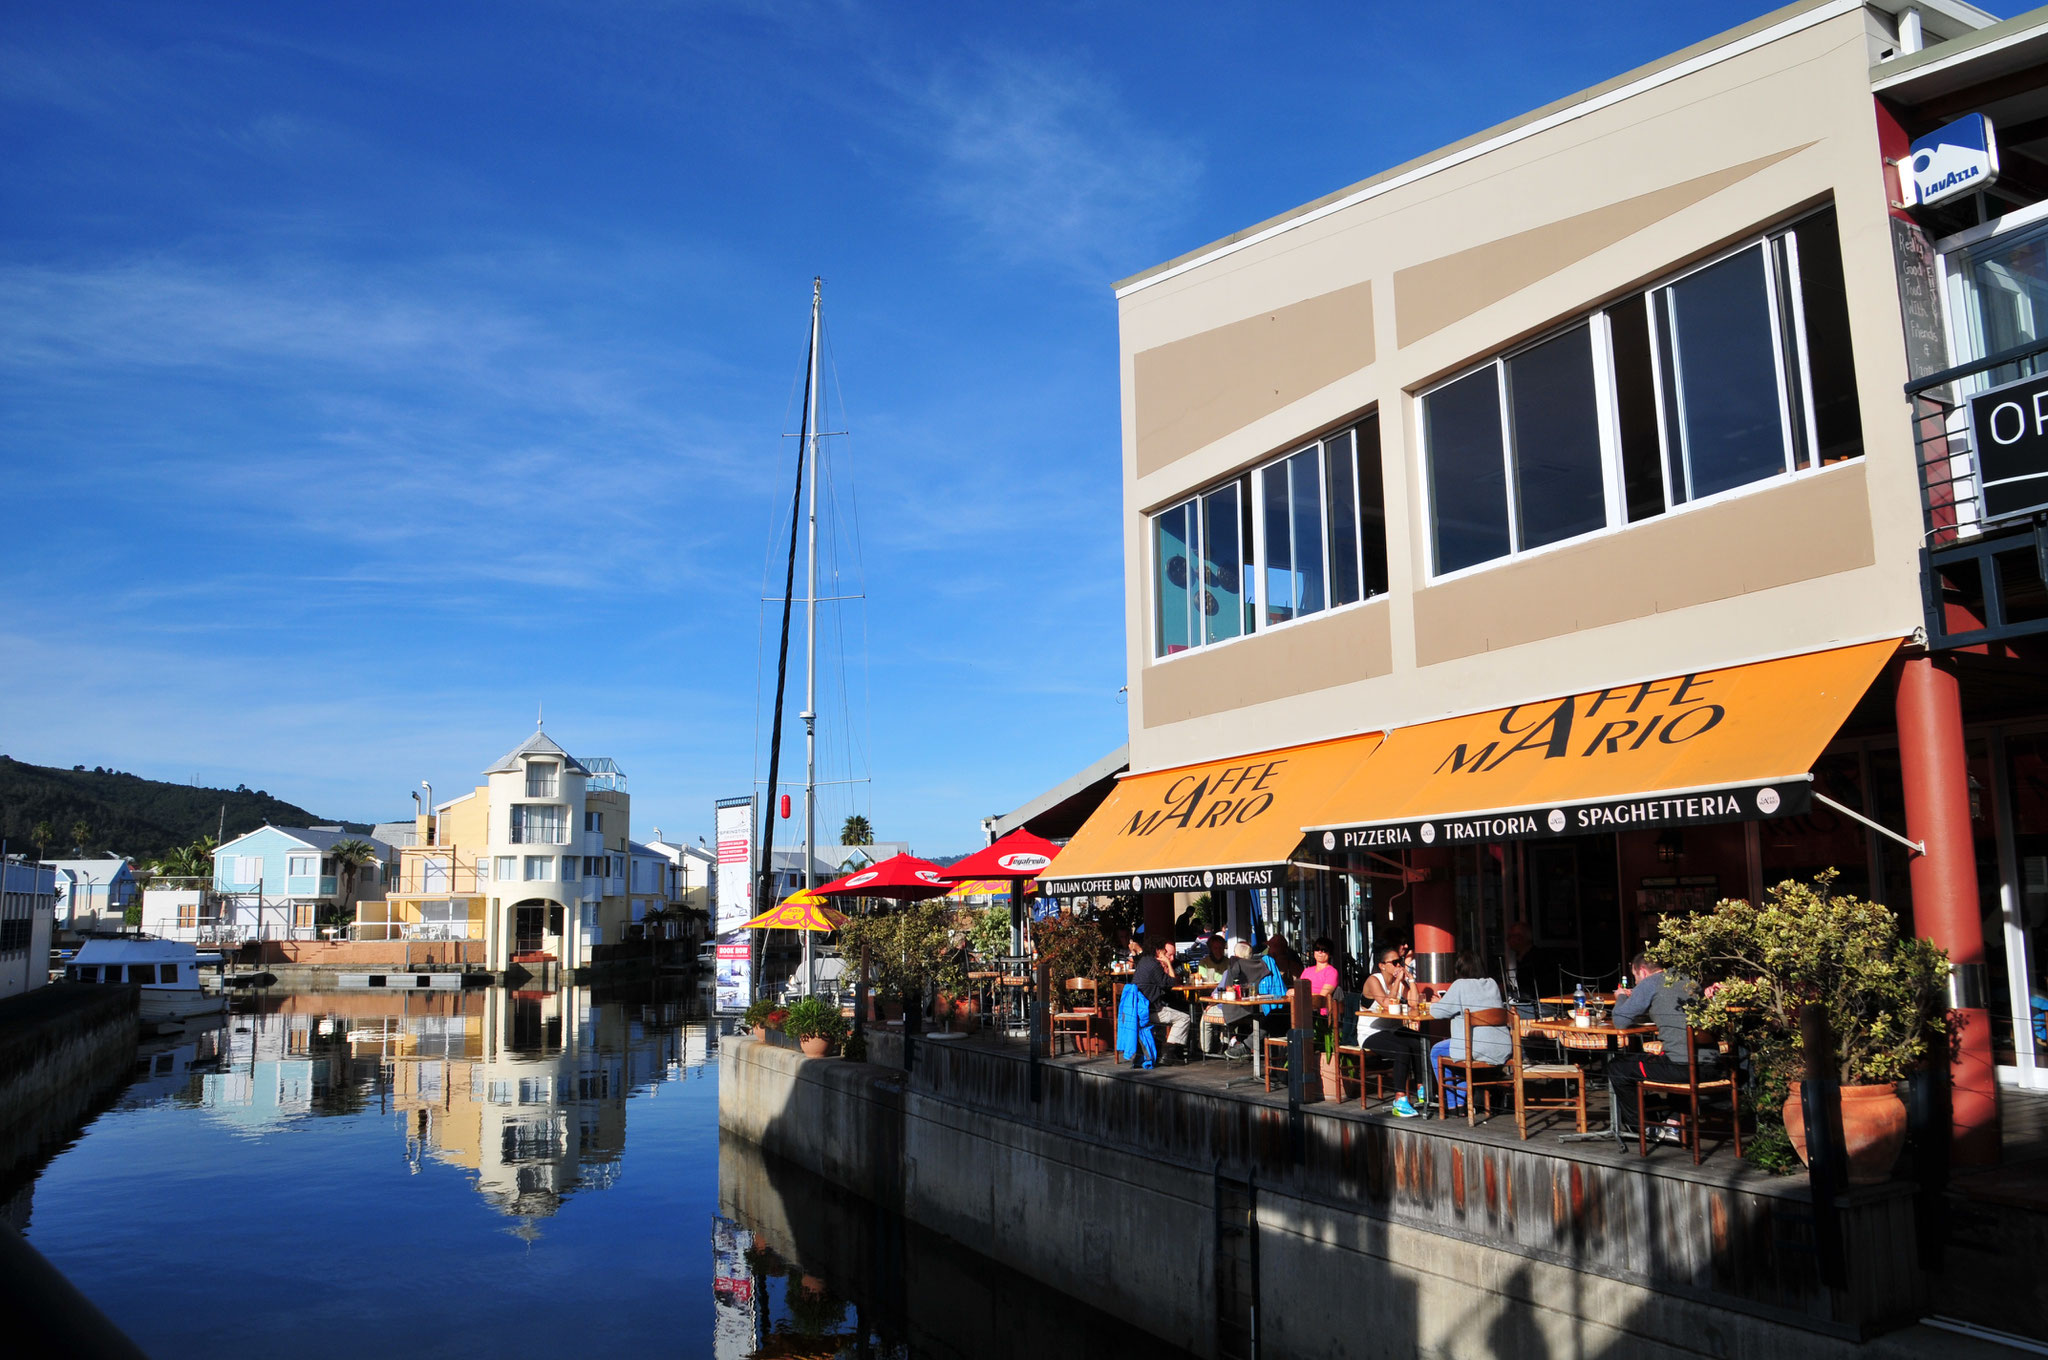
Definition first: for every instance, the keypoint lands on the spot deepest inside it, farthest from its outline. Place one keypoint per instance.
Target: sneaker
(1237, 1053)
(1401, 1109)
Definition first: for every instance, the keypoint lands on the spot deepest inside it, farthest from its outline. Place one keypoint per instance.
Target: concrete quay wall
(1137, 1223)
(62, 1047)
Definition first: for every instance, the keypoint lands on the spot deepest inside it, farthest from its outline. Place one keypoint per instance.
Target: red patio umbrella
(1017, 855)
(901, 878)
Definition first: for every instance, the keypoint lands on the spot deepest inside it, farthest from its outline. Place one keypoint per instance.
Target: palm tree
(856, 831)
(188, 861)
(349, 857)
(80, 833)
(42, 833)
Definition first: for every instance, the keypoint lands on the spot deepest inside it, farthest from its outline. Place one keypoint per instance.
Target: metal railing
(1984, 578)
(385, 931)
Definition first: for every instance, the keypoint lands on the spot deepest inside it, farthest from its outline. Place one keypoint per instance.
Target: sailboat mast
(810, 713)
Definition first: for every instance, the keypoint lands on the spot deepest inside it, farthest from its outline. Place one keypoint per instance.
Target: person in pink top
(1321, 975)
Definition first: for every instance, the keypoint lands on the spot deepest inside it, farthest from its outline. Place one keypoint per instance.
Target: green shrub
(756, 1015)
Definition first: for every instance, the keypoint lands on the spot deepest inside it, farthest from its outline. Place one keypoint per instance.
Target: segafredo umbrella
(902, 878)
(1017, 855)
(799, 911)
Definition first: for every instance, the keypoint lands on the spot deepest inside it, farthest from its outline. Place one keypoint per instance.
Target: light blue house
(277, 879)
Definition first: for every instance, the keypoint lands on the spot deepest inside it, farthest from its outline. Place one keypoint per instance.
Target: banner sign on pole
(735, 833)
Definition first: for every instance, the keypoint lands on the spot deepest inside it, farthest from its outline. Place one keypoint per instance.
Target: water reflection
(804, 1268)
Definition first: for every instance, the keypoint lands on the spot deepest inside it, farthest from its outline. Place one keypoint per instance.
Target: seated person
(1660, 998)
(1154, 978)
(1470, 990)
(1242, 973)
(1398, 1045)
(1322, 975)
(1211, 961)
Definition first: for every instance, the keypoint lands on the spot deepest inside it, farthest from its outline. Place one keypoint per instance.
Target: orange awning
(1221, 824)
(1713, 746)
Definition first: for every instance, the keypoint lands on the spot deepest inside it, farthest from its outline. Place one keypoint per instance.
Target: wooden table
(1611, 1037)
(1605, 999)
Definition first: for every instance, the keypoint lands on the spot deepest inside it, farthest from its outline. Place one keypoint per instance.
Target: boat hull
(178, 1003)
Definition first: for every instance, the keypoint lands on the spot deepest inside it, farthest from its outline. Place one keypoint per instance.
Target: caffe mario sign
(1688, 750)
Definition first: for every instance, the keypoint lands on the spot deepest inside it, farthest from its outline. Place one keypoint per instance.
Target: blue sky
(372, 373)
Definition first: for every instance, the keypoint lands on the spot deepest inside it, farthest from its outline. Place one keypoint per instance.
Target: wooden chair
(1274, 1046)
(1526, 1072)
(1077, 1021)
(1370, 1064)
(1692, 1088)
(1468, 1067)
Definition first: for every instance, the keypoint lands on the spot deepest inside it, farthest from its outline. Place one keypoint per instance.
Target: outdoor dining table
(1571, 1037)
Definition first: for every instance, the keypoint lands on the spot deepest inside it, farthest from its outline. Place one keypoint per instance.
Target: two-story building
(93, 894)
(280, 882)
(1541, 532)
(533, 862)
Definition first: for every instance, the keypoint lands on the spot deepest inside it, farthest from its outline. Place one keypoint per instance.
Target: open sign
(2009, 431)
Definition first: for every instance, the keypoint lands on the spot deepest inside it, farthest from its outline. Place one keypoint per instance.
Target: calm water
(335, 1173)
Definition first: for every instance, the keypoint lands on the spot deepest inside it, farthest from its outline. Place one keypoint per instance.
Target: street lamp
(431, 829)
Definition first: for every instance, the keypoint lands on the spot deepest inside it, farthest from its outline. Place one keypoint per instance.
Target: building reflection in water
(801, 1267)
(526, 1091)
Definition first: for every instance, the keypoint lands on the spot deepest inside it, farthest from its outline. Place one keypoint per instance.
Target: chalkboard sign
(1920, 302)
(2009, 431)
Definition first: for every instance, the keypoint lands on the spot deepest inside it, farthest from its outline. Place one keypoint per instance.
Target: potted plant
(1884, 995)
(910, 952)
(815, 1024)
(755, 1017)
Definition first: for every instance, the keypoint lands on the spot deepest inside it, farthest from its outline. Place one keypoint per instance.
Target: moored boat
(167, 971)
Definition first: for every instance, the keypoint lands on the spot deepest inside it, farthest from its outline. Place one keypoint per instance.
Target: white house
(696, 871)
(28, 902)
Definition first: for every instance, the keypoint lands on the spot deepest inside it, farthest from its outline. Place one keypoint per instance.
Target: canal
(335, 1173)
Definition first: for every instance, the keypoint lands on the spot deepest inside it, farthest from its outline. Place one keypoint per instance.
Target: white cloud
(1044, 159)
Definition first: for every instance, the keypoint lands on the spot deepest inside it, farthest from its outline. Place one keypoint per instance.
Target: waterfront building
(533, 862)
(280, 882)
(696, 877)
(1542, 532)
(93, 894)
(28, 909)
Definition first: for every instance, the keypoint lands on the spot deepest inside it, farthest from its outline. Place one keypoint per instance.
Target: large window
(540, 824)
(1734, 372)
(1307, 531)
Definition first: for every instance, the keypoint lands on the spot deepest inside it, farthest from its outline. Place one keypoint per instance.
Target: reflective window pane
(1308, 531)
(1372, 526)
(1831, 366)
(1721, 399)
(1467, 480)
(1555, 419)
(1339, 473)
(1172, 551)
(1223, 567)
(1277, 570)
(1635, 409)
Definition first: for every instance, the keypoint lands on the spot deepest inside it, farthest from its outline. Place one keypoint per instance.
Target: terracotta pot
(1091, 1044)
(1873, 1127)
(761, 1032)
(815, 1046)
(1333, 1089)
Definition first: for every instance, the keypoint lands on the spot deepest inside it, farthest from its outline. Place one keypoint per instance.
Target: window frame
(1252, 506)
(1801, 445)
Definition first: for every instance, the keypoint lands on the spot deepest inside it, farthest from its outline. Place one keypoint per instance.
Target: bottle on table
(1579, 998)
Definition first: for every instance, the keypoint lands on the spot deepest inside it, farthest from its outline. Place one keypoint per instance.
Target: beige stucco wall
(1460, 264)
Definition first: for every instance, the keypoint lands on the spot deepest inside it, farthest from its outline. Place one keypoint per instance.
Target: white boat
(167, 971)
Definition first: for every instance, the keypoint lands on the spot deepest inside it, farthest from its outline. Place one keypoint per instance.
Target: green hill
(129, 815)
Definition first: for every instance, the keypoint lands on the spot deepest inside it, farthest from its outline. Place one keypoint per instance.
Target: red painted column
(1935, 768)
(1436, 917)
(1158, 918)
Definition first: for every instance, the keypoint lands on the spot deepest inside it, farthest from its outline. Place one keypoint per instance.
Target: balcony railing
(429, 878)
(543, 788)
(1984, 578)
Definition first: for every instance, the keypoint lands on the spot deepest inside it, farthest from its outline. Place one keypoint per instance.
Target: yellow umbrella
(981, 887)
(797, 913)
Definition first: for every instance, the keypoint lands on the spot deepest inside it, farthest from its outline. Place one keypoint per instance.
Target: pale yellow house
(532, 862)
